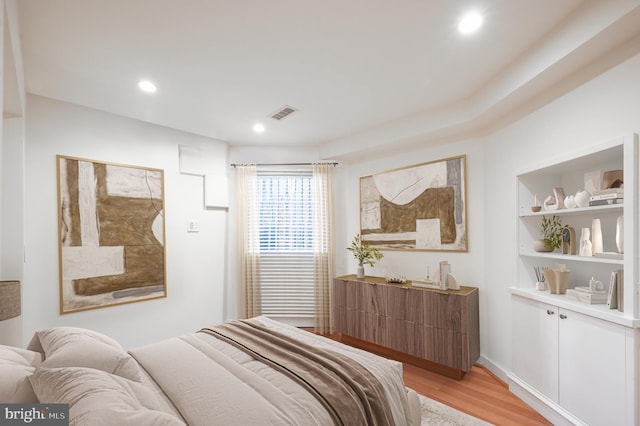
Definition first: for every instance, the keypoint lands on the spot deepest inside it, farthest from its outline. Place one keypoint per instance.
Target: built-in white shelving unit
(575, 362)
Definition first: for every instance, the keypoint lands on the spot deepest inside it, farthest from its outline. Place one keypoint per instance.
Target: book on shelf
(610, 255)
(608, 191)
(583, 294)
(605, 197)
(620, 287)
(615, 295)
(606, 202)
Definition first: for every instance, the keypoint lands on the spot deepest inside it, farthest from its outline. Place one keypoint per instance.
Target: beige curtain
(323, 246)
(248, 241)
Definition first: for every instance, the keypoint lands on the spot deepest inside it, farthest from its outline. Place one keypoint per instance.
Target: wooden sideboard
(434, 329)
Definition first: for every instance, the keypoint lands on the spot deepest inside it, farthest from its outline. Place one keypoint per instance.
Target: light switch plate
(193, 226)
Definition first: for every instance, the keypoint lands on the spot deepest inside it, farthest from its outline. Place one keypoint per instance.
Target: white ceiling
(360, 72)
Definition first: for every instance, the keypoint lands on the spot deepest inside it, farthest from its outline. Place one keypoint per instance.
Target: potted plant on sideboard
(364, 254)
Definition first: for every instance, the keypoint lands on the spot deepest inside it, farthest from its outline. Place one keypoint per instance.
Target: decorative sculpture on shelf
(585, 243)
(569, 241)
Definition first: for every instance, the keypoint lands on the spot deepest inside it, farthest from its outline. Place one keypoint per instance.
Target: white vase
(620, 234)
(582, 198)
(585, 243)
(570, 202)
(596, 236)
(360, 271)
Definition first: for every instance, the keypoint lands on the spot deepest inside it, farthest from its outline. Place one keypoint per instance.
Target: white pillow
(16, 365)
(79, 347)
(98, 398)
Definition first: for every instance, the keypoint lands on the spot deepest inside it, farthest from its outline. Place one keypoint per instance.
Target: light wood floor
(479, 393)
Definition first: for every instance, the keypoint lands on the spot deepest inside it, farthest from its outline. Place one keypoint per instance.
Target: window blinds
(286, 245)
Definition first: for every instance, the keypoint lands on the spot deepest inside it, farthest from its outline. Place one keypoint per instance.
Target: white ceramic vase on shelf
(620, 234)
(596, 236)
(582, 198)
(570, 202)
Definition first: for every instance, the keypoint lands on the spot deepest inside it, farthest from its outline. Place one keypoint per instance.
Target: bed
(245, 372)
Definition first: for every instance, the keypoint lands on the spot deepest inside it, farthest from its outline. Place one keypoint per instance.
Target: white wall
(195, 262)
(598, 111)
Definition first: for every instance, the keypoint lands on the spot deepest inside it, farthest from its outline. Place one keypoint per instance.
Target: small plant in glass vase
(364, 254)
(552, 232)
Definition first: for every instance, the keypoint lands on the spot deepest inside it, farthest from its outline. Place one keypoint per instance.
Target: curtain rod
(280, 164)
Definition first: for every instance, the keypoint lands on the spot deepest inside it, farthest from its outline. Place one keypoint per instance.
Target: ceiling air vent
(283, 112)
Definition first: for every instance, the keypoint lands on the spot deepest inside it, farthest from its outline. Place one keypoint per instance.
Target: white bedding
(195, 379)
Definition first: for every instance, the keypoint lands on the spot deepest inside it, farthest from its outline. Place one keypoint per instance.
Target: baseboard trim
(494, 368)
(547, 408)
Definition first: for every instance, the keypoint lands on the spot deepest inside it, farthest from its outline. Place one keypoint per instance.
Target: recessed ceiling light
(258, 128)
(147, 86)
(470, 23)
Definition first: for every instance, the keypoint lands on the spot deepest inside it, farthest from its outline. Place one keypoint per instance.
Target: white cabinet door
(535, 345)
(592, 368)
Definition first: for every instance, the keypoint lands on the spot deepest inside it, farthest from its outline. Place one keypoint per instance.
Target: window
(285, 223)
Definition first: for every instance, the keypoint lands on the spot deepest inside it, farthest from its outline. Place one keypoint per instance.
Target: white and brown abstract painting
(111, 234)
(421, 207)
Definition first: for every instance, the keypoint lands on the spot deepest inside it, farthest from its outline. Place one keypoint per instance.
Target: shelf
(573, 258)
(600, 311)
(577, 211)
(568, 172)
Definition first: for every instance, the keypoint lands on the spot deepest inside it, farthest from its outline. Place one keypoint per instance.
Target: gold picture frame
(421, 207)
(111, 234)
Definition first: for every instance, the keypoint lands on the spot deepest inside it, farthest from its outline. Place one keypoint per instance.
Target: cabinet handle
(550, 312)
(563, 316)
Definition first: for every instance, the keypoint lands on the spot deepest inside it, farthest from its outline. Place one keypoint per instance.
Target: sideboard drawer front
(397, 334)
(436, 326)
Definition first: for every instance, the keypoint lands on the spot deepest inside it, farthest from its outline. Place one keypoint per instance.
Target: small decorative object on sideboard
(446, 279)
(364, 253)
(445, 270)
(396, 280)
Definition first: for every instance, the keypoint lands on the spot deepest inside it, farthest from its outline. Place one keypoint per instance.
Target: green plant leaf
(552, 231)
(363, 252)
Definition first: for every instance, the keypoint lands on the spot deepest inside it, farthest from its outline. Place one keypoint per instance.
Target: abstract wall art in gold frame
(421, 207)
(111, 234)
